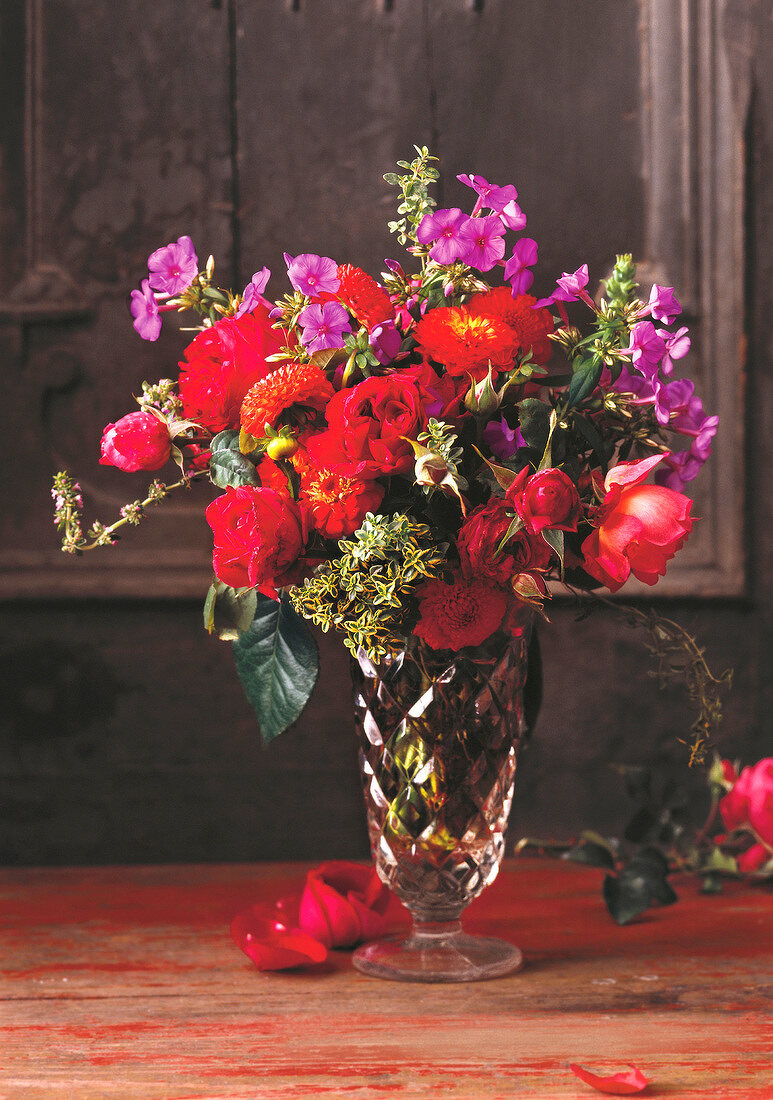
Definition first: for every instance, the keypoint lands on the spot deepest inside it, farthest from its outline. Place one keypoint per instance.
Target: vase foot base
(423, 957)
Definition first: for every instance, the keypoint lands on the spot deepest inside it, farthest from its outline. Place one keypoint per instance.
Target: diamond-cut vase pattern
(438, 743)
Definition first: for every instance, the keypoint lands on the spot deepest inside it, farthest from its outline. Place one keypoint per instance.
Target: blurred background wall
(263, 126)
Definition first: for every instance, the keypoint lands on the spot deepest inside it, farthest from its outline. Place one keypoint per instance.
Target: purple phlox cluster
(677, 346)
(312, 275)
(324, 326)
(485, 240)
(252, 295)
(663, 304)
(491, 197)
(517, 272)
(174, 267)
(689, 418)
(503, 440)
(442, 227)
(144, 310)
(385, 341)
(646, 347)
(569, 288)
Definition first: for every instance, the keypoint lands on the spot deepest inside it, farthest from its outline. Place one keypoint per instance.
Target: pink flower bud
(138, 441)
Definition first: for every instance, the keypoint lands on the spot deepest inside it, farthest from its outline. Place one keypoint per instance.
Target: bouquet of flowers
(421, 458)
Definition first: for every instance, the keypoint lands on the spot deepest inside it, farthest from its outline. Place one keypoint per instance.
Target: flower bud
(481, 398)
(281, 447)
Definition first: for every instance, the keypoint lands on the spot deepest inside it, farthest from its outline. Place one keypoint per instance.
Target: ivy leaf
(534, 420)
(596, 855)
(228, 466)
(641, 883)
(278, 664)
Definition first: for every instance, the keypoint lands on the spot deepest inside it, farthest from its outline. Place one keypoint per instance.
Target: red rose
(138, 441)
(462, 613)
(221, 365)
(478, 540)
(640, 527)
(548, 498)
(368, 427)
(343, 903)
(258, 534)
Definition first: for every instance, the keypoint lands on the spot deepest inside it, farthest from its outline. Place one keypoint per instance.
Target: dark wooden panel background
(265, 126)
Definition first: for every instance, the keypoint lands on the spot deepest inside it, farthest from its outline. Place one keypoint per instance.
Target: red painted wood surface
(123, 982)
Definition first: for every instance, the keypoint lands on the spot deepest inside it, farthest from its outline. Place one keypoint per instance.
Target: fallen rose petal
(343, 903)
(270, 944)
(372, 923)
(617, 1084)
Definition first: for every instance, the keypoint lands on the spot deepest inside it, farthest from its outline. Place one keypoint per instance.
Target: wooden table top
(123, 982)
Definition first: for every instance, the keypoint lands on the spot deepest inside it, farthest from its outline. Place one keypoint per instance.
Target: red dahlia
(292, 384)
(529, 326)
(462, 613)
(363, 297)
(464, 342)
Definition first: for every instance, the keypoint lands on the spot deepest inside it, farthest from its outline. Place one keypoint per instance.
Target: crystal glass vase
(439, 734)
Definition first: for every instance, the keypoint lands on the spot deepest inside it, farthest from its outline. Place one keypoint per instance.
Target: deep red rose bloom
(478, 540)
(138, 441)
(462, 613)
(368, 427)
(640, 527)
(259, 534)
(221, 365)
(343, 903)
(548, 498)
(529, 326)
(442, 395)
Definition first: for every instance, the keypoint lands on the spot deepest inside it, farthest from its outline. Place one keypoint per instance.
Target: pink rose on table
(259, 534)
(638, 527)
(138, 441)
(343, 903)
(548, 498)
(368, 428)
(749, 805)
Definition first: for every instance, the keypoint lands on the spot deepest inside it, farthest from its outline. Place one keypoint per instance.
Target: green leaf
(278, 664)
(594, 854)
(228, 466)
(593, 438)
(534, 418)
(584, 381)
(555, 539)
(236, 604)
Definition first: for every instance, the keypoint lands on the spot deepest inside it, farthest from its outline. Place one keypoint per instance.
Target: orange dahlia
(530, 326)
(465, 342)
(293, 384)
(363, 296)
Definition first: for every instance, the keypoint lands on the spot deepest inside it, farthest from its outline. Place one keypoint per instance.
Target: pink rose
(343, 903)
(638, 527)
(548, 498)
(258, 535)
(749, 804)
(138, 441)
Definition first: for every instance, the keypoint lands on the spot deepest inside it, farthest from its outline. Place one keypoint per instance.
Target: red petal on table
(372, 923)
(326, 914)
(270, 944)
(618, 1084)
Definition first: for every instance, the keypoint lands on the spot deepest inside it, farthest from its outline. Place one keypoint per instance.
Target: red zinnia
(221, 364)
(530, 326)
(292, 384)
(337, 504)
(363, 296)
(464, 342)
(462, 613)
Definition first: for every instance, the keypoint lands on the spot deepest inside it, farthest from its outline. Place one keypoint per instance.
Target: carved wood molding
(694, 108)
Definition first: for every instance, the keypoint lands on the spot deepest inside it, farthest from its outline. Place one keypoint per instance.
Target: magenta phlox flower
(323, 326)
(385, 341)
(312, 275)
(443, 227)
(174, 267)
(663, 304)
(677, 469)
(646, 347)
(677, 346)
(524, 256)
(252, 295)
(512, 216)
(485, 240)
(395, 267)
(569, 288)
(489, 195)
(502, 440)
(144, 310)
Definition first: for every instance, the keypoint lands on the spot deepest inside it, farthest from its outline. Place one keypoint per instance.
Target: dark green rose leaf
(534, 419)
(596, 855)
(228, 466)
(278, 664)
(584, 381)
